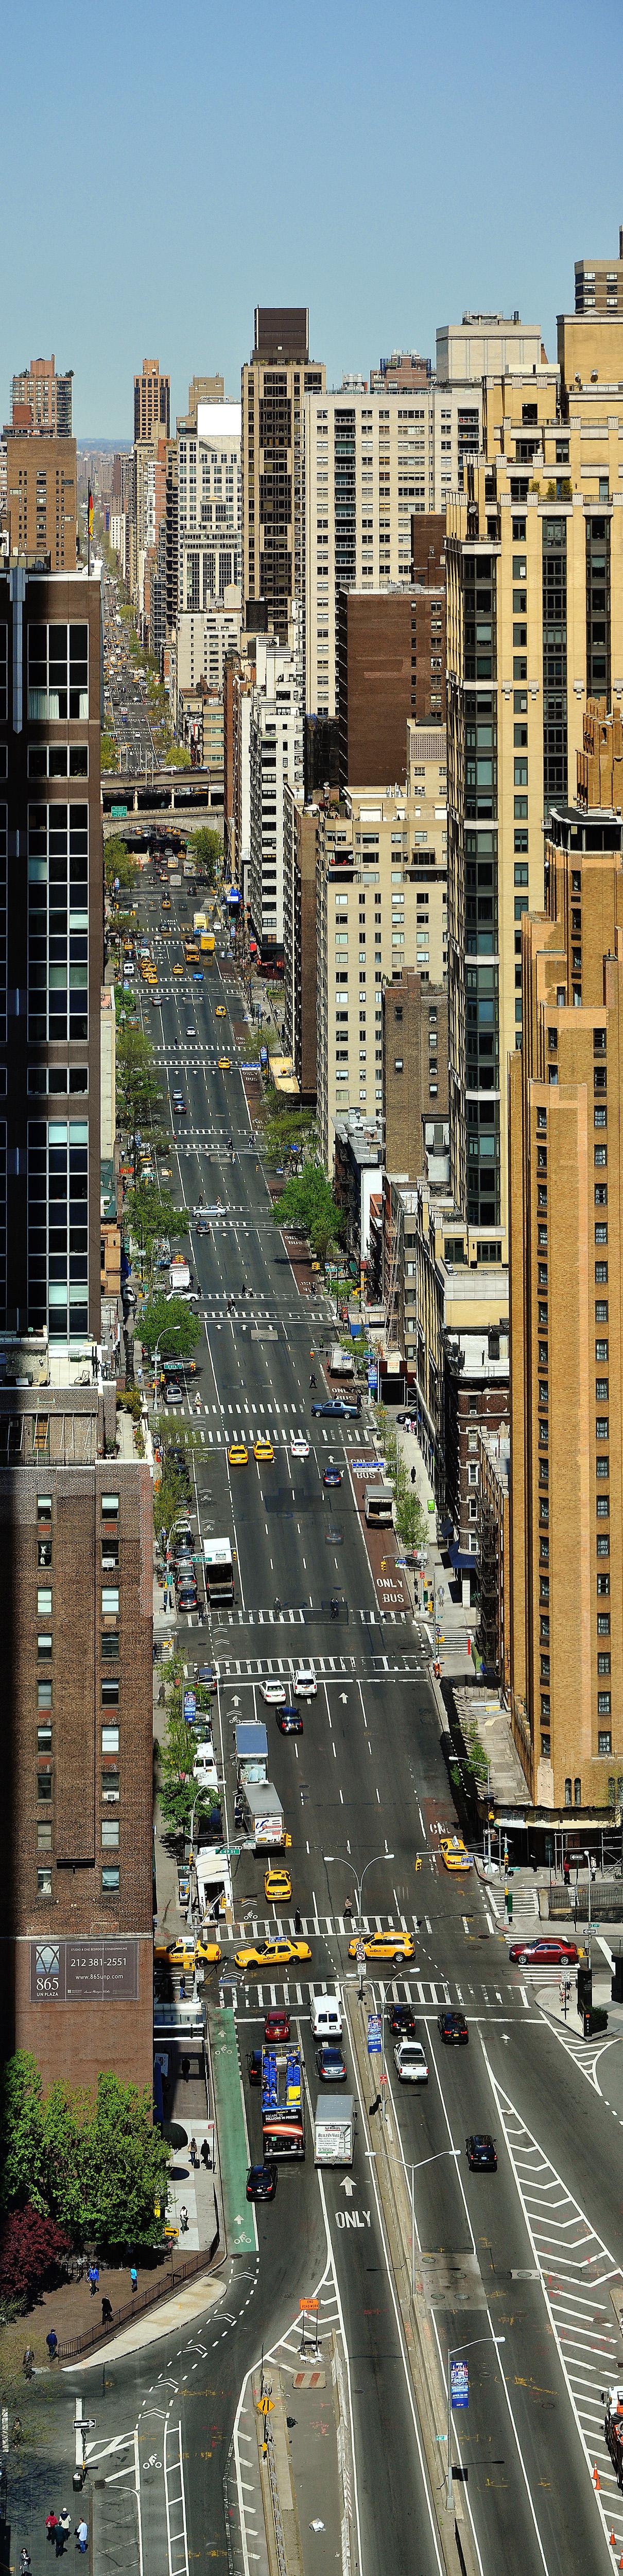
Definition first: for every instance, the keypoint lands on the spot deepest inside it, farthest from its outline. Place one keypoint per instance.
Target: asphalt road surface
(518, 2265)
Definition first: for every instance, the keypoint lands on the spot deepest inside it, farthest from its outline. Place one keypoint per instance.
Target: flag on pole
(90, 512)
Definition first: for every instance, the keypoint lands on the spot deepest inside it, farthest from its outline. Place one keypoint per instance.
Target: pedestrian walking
(52, 2342)
(50, 2523)
(106, 2312)
(59, 2539)
(205, 2155)
(28, 2361)
(133, 2279)
(64, 2521)
(82, 2536)
(94, 2278)
(25, 2562)
(193, 2153)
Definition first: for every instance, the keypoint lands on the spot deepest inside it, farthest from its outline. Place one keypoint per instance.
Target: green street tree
(149, 1213)
(118, 862)
(139, 1095)
(410, 1519)
(171, 1323)
(109, 752)
(307, 1201)
(91, 2161)
(206, 848)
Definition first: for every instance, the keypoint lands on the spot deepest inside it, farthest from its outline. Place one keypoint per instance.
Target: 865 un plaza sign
(72, 1972)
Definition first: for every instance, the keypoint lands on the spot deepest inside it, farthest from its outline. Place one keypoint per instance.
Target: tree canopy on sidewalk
(89, 2160)
(307, 1202)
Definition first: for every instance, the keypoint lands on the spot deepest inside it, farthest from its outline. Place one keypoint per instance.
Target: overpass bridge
(190, 793)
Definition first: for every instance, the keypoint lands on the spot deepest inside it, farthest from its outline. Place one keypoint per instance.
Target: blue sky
(166, 169)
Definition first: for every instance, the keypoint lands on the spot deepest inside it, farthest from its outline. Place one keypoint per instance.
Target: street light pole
(497, 2340)
(347, 1863)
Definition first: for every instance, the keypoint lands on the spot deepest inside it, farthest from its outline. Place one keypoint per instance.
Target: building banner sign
(459, 2384)
(73, 1972)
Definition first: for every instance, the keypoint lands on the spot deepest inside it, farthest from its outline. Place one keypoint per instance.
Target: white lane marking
(588, 2260)
(399, 2330)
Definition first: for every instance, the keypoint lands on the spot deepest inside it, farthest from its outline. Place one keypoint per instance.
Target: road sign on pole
(360, 1954)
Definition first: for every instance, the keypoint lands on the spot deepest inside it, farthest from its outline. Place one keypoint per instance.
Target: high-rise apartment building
(415, 1068)
(76, 1546)
(46, 395)
(275, 759)
(41, 499)
(50, 952)
(208, 504)
(152, 399)
(566, 1106)
(204, 641)
(299, 938)
(380, 903)
(372, 462)
(599, 283)
(391, 668)
(274, 386)
(534, 565)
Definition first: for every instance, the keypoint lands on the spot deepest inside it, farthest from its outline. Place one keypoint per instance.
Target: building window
(44, 1649)
(110, 1834)
(44, 1695)
(44, 1509)
(545, 1748)
(44, 1602)
(44, 1882)
(44, 1787)
(44, 1739)
(110, 1601)
(567, 1793)
(110, 1739)
(110, 1879)
(604, 1740)
(109, 1646)
(603, 1703)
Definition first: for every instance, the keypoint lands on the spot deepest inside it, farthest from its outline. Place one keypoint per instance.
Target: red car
(277, 2024)
(546, 1953)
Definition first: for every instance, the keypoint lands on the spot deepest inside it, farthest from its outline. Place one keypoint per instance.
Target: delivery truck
(340, 1363)
(334, 2129)
(262, 1814)
(283, 2111)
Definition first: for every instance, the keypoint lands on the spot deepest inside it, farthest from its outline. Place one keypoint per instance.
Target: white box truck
(334, 2129)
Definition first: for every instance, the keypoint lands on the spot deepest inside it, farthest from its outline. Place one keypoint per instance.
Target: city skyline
(385, 236)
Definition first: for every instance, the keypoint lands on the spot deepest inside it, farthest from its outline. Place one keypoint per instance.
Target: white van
(325, 2016)
(204, 1767)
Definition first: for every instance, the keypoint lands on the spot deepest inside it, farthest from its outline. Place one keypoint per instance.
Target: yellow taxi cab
(224, 1064)
(177, 969)
(385, 1945)
(264, 1449)
(178, 1954)
(272, 1954)
(220, 1013)
(151, 975)
(453, 1852)
(208, 1952)
(237, 1454)
(277, 1886)
(166, 903)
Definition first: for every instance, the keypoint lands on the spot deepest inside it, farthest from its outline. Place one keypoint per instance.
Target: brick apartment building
(76, 1896)
(391, 649)
(415, 1068)
(41, 502)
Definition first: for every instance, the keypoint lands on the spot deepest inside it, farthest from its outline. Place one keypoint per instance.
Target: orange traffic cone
(612, 2540)
(596, 2478)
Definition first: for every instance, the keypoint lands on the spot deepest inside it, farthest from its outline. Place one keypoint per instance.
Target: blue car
(332, 1476)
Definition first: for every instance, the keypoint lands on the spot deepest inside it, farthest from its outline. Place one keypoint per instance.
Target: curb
(343, 2429)
(454, 2530)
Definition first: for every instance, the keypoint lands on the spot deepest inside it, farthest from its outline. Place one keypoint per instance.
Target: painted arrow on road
(348, 2186)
